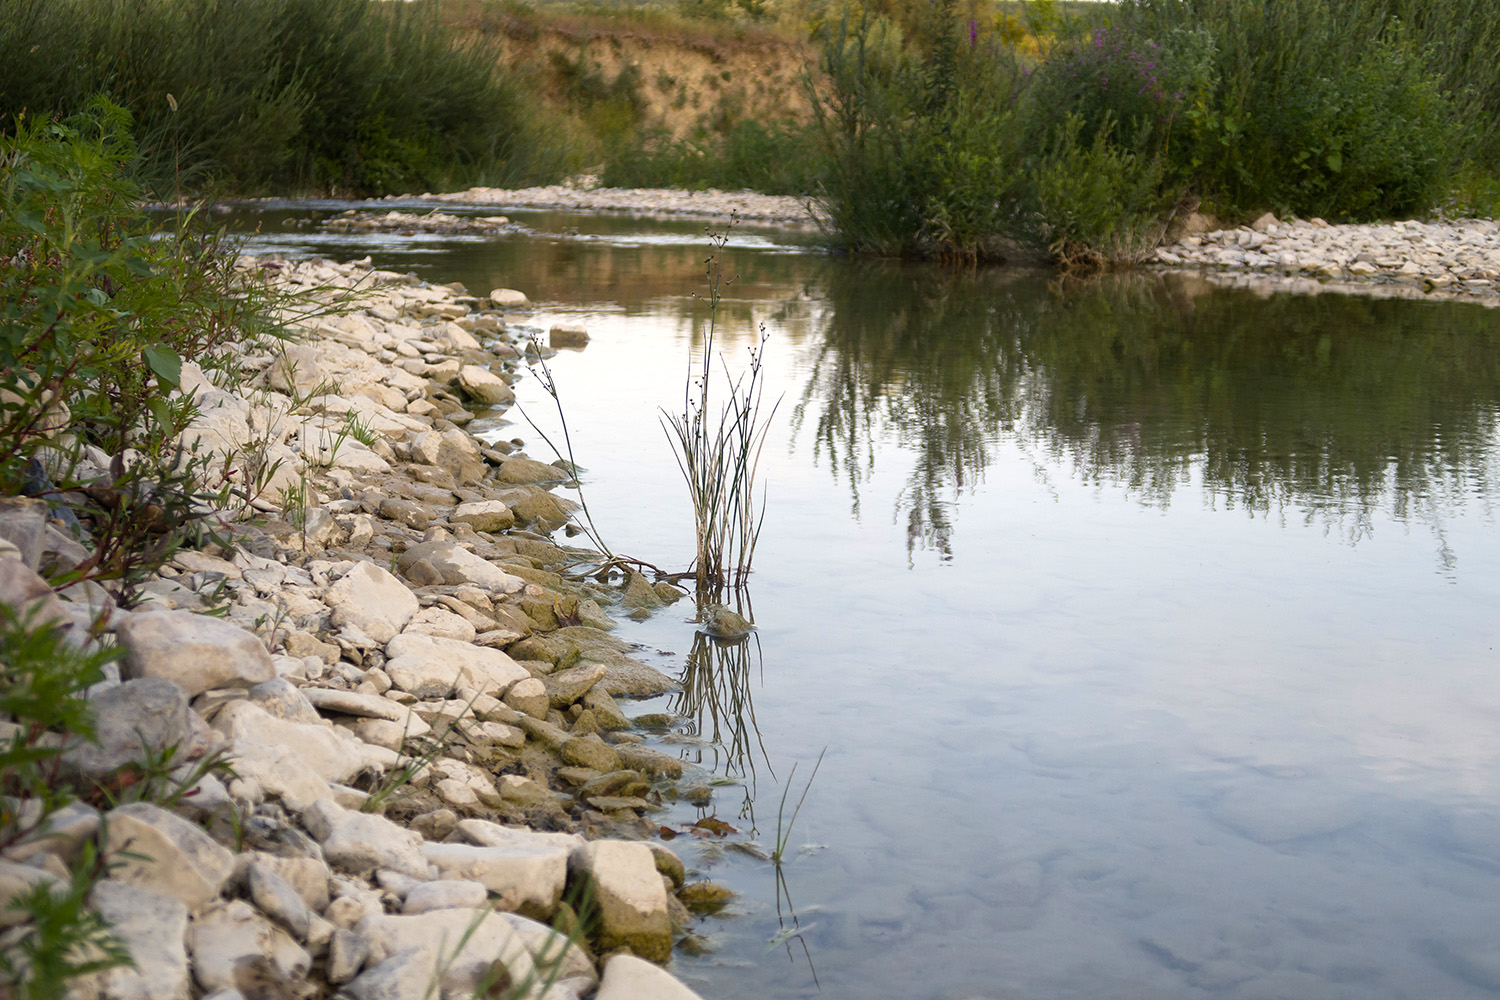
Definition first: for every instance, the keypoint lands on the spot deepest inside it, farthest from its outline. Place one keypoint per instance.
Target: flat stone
(321, 748)
(405, 512)
(524, 471)
(590, 751)
(453, 949)
(279, 697)
(508, 298)
(529, 697)
(370, 706)
(568, 335)
(444, 894)
(175, 856)
(196, 652)
(485, 386)
(458, 566)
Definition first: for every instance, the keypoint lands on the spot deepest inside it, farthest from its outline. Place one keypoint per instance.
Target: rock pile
(406, 770)
(1409, 259)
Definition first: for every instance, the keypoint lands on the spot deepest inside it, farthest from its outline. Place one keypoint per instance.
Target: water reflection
(1326, 408)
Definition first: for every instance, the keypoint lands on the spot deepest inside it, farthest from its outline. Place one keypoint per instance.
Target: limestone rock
(484, 385)
(371, 597)
(177, 857)
(444, 894)
(567, 686)
(629, 896)
(530, 697)
(26, 593)
(133, 719)
(523, 471)
(321, 748)
(152, 927)
(591, 751)
(459, 566)
(430, 667)
(483, 515)
(629, 978)
(458, 945)
(508, 298)
(197, 652)
(278, 900)
(568, 335)
(23, 523)
(234, 947)
(360, 842)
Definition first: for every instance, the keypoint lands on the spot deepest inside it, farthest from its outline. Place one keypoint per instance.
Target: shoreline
(1457, 260)
(393, 578)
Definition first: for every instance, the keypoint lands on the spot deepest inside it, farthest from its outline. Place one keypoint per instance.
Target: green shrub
(775, 158)
(336, 95)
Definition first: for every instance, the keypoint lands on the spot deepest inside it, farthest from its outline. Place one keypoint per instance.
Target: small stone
(508, 298)
(590, 751)
(484, 515)
(347, 952)
(571, 335)
(629, 897)
(444, 894)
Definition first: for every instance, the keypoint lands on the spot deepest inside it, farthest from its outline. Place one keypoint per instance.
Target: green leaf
(165, 364)
(1335, 161)
(161, 412)
(97, 297)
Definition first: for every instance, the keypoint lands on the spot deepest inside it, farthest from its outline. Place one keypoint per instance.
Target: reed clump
(718, 447)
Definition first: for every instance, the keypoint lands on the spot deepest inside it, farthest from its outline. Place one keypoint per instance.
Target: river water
(1148, 632)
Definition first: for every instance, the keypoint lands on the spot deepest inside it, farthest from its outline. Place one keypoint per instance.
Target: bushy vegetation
(776, 158)
(1081, 143)
(342, 96)
(98, 307)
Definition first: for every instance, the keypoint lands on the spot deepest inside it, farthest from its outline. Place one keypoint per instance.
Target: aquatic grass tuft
(718, 451)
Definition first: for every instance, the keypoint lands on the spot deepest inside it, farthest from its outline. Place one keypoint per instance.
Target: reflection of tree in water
(1330, 406)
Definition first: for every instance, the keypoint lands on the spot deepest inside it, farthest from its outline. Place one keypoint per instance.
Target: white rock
(197, 652)
(16, 880)
(508, 298)
(430, 667)
(526, 869)
(484, 385)
(445, 894)
(483, 515)
(369, 596)
(331, 755)
(460, 945)
(226, 938)
(629, 978)
(360, 842)
(442, 623)
(152, 927)
(629, 897)
(176, 857)
(555, 956)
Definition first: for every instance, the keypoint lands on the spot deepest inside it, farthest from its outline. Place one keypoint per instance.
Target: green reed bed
(344, 96)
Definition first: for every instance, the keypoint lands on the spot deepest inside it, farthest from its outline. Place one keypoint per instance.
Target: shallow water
(1150, 630)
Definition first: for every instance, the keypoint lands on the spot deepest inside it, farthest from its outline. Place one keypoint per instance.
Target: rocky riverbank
(1457, 260)
(392, 697)
(580, 196)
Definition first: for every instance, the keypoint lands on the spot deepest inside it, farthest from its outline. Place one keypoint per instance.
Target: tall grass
(718, 451)
(344, 96)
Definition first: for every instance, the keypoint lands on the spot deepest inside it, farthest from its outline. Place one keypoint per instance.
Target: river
(1147, 632)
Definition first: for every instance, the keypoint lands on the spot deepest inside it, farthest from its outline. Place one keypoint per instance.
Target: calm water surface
(1150, 630)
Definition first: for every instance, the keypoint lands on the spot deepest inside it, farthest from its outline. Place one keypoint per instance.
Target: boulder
(483, 515)
(572, 335)
(522, 471)
(278, 899)
(445, 894)
(527, 870)
(508, 298)
(590, 751)
(567, 686)
(630, 899)
(23, 523)
(452, 949)
(197, 652)
(173, 856)
(331, 755)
